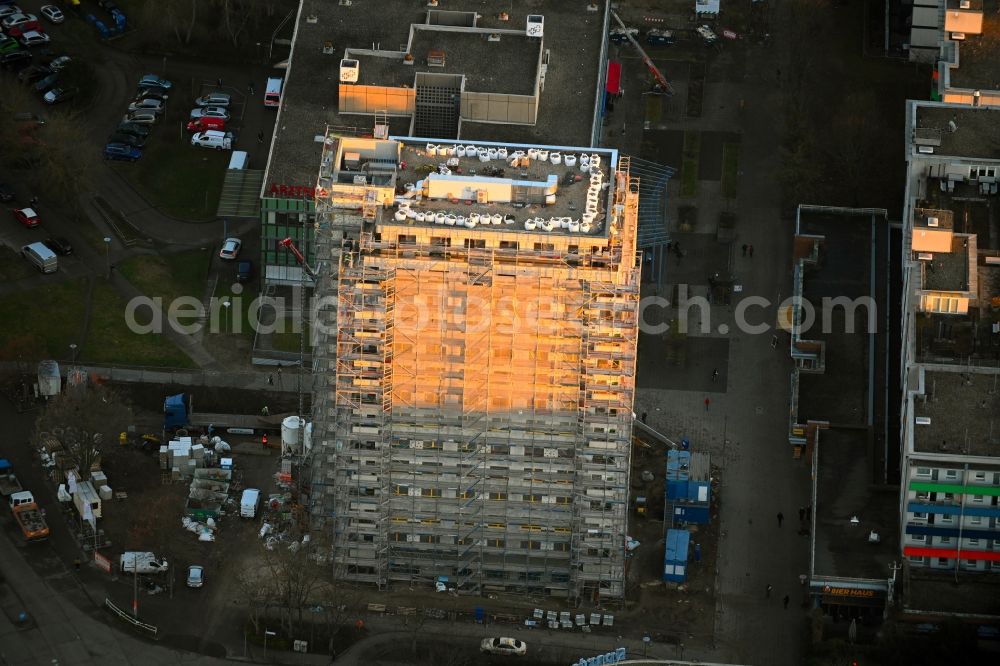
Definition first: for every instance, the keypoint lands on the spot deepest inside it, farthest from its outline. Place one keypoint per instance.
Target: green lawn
(289, 341)
(730, 169)
(45, 320)
(177, 178)
(13, 266)
(689, 165)
(110, 340)
(654, 108)
(169, 276)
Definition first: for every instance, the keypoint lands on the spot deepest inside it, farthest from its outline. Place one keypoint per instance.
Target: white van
(42, 257)
(249, 502)
(272, 94)
(213, 139)
(239, 160)
(141, 562)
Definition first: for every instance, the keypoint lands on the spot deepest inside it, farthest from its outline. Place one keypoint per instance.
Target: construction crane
(661, 85)
(289, 245)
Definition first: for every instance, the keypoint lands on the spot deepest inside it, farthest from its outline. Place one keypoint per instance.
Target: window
(916, 559)
(923, 495)
(475, 243)
(977, 499)
(971, 564)
(945, 520)
(508, 245)
(949, 497)
(924, 471)
(545, 247)
(951, 474)
(919, 516)
(406, 239)
(975, 520)
(979, 476)
(498, 496)
(974, 543)
(441, 241)
(944, 541)
(918, 538)
(943, 561)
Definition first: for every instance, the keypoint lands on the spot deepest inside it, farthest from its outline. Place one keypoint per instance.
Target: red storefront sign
(296, 191)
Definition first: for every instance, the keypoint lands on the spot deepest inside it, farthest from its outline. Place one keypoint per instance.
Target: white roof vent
(536, 25)
(923, 420)
(349, 71)
(932, 222)
(965, 4)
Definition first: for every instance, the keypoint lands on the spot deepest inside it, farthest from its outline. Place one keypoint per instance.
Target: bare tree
(236, 14)
(87, 421)
(258, 591)
(297, 578)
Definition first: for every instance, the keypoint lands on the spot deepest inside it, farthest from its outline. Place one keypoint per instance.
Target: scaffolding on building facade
(477, 409)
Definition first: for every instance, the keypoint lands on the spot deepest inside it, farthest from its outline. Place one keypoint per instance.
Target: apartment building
(478, 348)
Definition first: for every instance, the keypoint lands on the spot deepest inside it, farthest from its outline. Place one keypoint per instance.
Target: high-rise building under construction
(476, 350)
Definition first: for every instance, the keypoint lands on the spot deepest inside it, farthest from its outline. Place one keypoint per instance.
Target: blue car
(154, 81)
(121, 151)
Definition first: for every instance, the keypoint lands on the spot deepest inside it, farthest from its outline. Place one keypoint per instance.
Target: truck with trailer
(8, 482)
(28, 516)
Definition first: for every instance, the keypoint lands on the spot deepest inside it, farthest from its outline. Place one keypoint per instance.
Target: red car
(18, 31)
(27, 216)
(206, 123)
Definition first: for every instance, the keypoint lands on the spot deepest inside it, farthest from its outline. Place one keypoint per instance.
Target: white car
(209, 112)
(196, 576)
(9, 10)
(59, 63)
(503, 645)
(34, 38)
(213, 99)
(230, 249)
(52, 13)
(15, 20)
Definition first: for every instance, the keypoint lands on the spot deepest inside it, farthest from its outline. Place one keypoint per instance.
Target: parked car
(209, 112)
(15, 59)
(34, 38)
(33, 73)
(707, 34)
(134, 130)
(230, 249)
(26, 216)
(52, 13)
(58, 64)
(8, 44)
(42, 85)
(121, 151)
(154, 81)
(121, 137)
(151, 93)
(213, 99)
(196, 576)
(5, 193)
(244, 271)
(59, 245)
(59, 95)
(659, 37)
(206, 123)
(9, 10)
(154, 105)
(144, 117)
(15, 20)
(503, 645)
(107, 5)
(19, 30)
(213, 139)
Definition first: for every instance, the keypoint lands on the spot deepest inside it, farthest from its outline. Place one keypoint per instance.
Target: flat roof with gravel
(977, 131)
(960, 409)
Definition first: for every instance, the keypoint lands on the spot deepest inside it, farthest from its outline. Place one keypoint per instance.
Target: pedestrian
(219, 82)
(250, 86)
(76, 563)
(211, 429)
(767, 591)
(34, 201)
(745, 249)
(809, 512)
(715, 374)
(785, 601)
(781, 517)
(802, 514)
(644, 415)
(270, 380)
(750, 250)
(677, 250)
(264, 411)
(707, 403)
(260, 136)
(774, 341)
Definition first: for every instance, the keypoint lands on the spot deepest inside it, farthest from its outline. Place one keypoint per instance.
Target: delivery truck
(28, 516)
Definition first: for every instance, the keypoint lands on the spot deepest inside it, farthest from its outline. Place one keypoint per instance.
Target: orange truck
(29, 516)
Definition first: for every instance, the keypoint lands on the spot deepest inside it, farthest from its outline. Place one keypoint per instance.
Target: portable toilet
(119, 18)
(675, 557)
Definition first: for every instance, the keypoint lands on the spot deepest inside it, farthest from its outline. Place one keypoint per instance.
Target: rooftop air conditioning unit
(349, 71)
(925, 150)
(958, 36)
(965, 4)
(923, 420)
(925, 256)
(932, 222)
(536, 25)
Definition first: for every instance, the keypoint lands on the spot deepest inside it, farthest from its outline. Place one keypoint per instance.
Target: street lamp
(266, 634)
(225, 325)
(72, 352)
(107, 255)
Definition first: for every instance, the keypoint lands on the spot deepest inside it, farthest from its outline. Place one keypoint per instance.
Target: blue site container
(675, 557)
(119, 19)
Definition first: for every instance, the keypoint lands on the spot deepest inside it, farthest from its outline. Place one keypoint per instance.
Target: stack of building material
(182, 457)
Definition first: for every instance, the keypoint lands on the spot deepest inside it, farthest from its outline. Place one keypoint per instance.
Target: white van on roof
(249, 502)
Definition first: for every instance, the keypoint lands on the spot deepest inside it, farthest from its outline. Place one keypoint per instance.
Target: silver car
(142, 117)
(213, 99)
(196, 576)
(154, 105)
(210, 112)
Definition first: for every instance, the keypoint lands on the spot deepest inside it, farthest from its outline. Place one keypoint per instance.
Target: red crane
(289, 245)
(662, 85)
